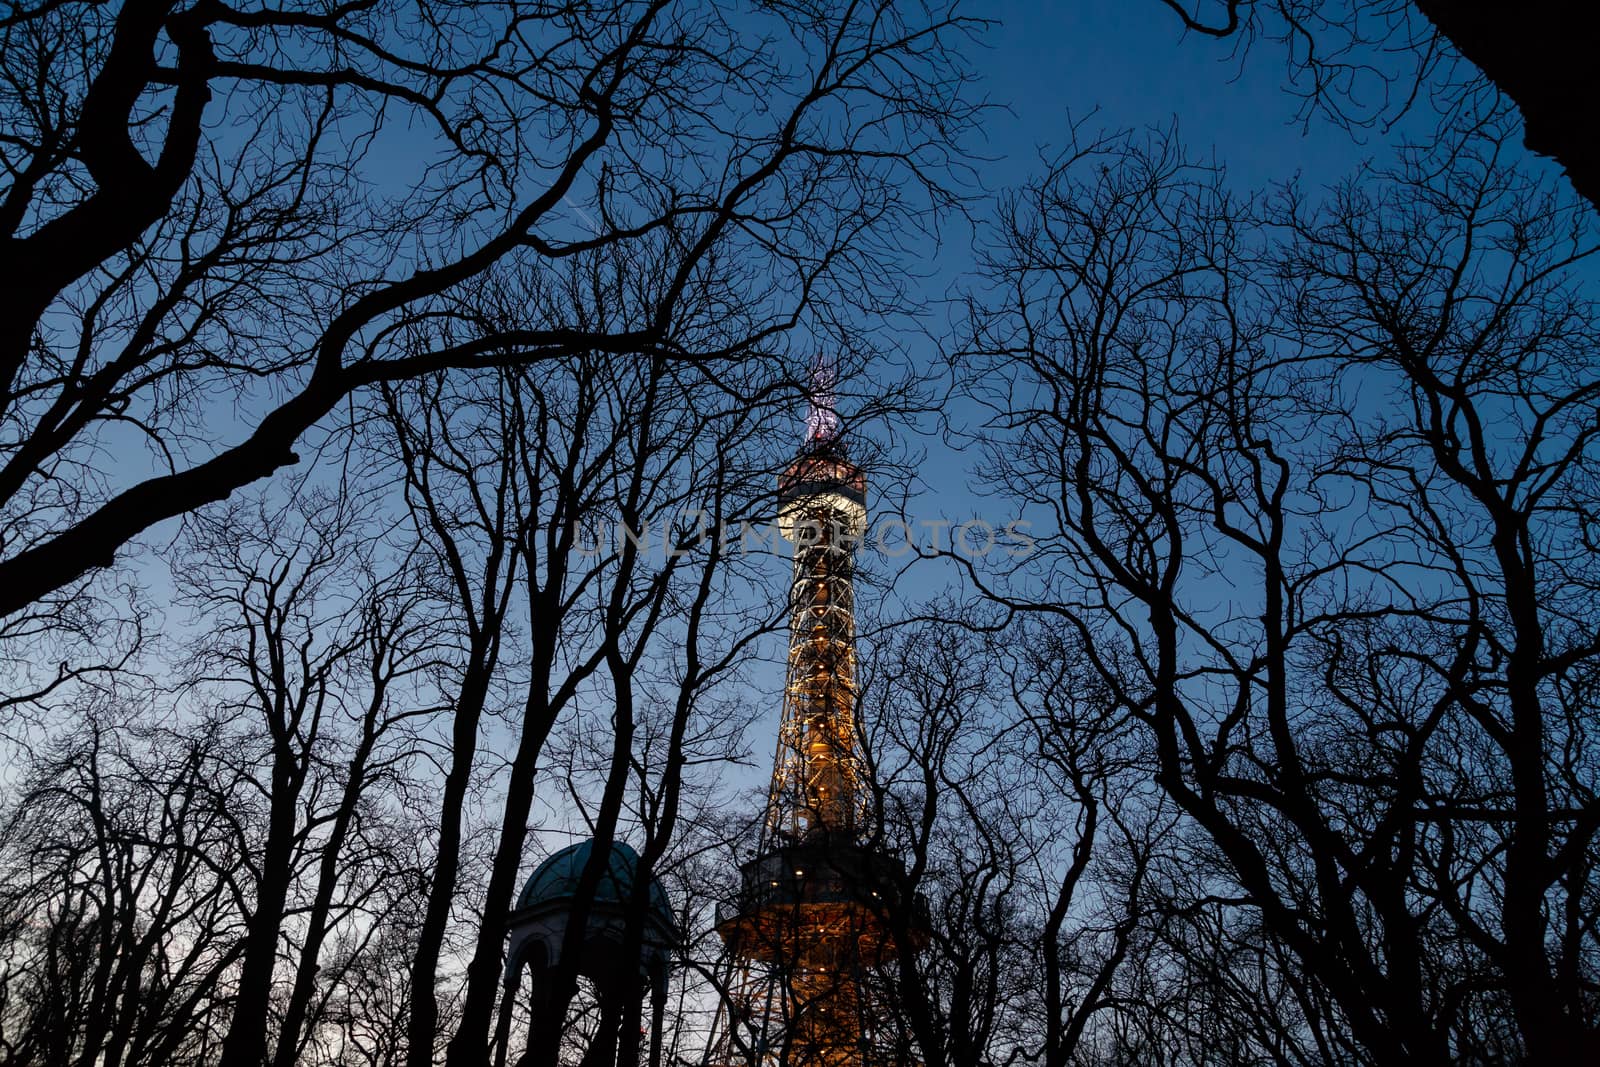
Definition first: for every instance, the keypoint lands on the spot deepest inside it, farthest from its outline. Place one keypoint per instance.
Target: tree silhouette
(202, 210)
(1317, 512)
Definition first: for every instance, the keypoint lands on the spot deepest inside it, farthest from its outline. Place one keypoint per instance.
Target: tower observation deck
(810, 928)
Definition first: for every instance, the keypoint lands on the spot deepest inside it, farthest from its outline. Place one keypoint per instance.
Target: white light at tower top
(822, 418)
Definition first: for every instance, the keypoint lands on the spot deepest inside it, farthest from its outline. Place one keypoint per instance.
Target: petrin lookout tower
(810, 929)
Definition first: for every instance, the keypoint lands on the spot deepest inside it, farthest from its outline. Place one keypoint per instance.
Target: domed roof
(557, 879)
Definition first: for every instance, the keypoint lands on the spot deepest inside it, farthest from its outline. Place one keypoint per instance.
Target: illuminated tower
(809, 929)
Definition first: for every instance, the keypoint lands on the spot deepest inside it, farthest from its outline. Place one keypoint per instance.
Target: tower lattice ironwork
(809, 931)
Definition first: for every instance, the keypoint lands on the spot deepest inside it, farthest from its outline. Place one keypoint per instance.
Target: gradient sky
(1114, 64)
(1118, 64)
(1122, 64)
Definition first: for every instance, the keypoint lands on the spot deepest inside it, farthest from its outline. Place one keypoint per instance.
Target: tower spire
(822, 417)
(817, 786)
(809, 924)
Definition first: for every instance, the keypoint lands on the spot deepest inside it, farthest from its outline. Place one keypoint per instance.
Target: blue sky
(1123, 64)
(1131, 60)
(1114, 64)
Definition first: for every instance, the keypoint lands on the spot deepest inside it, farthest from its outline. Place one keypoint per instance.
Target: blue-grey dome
(557, 879)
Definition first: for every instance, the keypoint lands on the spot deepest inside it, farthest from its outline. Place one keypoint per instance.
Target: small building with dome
(537, 932)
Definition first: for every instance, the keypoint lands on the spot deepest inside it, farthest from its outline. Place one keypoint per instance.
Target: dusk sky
(457, 460)
(1110, 65)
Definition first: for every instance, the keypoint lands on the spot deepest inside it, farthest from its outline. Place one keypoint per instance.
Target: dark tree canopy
(1542, 55)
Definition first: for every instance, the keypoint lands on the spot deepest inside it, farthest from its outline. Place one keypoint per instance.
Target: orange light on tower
(808, 927)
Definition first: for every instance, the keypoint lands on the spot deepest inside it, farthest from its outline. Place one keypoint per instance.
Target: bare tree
(667, 636)
(199, 203)
(122, 868)
(1009, 786)
(1314, 515)
(574, 513)
(466, 507)
(323, 659)
(1487, 330)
